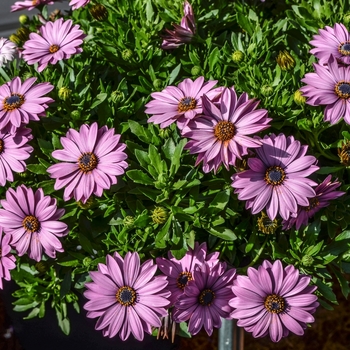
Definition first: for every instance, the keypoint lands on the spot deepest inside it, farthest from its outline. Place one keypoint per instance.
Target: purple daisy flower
(329, 86)
(92, 160)
(272, 300)
(7, 260)
(180, 103)
(29, 4)
(179, 272)
(22, 102)
(126, 297)
(220, 134)
(13, 151)
(277, 177)
(32, 221)
(78, 3)
(183, 33)
(325, 192)
(8, 50)
(57, 41)
(205, 298)
(332, 41)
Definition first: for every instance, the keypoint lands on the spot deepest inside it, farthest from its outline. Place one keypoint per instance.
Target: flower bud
(299, 99)
(23, 19)
(27, 75)
(76, 114)
(285, 60)
(89, 203)
(15, 39)
(23, 33)
(346, 18)
(164, 133)
(307, 260)
(196, 70)
(64, 93)
(117, 96)
(99, 12)
(87, 261)
(266, 90)
(159, 215)
(127, 54)
(344, 153)
(158, 84)
(266, 225)
(129, 221)
(42, 266)
(237, 56)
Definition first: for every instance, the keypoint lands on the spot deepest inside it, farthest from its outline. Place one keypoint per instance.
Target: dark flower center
(13, 102)
(206, 297)
(31, 223)
(342, 89)
(1, 146)
(224, 130)
(274, 303)
(274, 175)
(186, 104)
(313, 203)
(183, 278)
(87, 162)
(344, 48)
(54, 48)
(126, 296)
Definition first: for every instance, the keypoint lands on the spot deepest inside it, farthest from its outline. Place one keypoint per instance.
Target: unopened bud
(196, 70)
(159, 215)
(117, 96)
(237, 56)
(23, 19)
(267, 90)
(129, 221)
(307, 260)
(285, 60)
(299, 99)
(127, 54)
(64, 93)
(99, 12)
(15, 39)
(158, 84)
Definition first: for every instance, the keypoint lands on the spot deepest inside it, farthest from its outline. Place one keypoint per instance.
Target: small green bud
(42, 266)
(307, 260)
(196, 70)
(87, 205)
(158, 84)
(165, 133)
(299, 99)
(117, 96)
(64, 93)
(127, 54)
(76, 114)
(27, 75)
(159, 215)
(15, 39)
(237, 56)
(346, 18)
(99, 12)
(267, 90)
(87, 261)
(23, 33)
(285, 60)
(23, 19)
(129, 221)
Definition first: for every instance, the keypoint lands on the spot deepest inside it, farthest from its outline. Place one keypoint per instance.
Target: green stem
(257, 257)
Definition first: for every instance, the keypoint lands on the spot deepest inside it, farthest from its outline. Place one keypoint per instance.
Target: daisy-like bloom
(329, 86)
(273, 300)
(92, 160)
(206, 297)
(8, 50)
(183, 33)
(31, 218)
(332, 41)
(57, 41)
(22, 102)
(7, 260)
(29, 4)
(76, 4)
(325, 192)
(180, 103)
(219, 136)
(277, 179)
(179, 272)
(126, 297)
(13, 151)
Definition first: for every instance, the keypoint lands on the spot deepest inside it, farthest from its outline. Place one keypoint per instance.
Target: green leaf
(219, 202)
(213, 58)
(223, 233)
(141, 132)
(37, 169)
(139, 177)
(99, 99)
(175, 72)
(326, 291)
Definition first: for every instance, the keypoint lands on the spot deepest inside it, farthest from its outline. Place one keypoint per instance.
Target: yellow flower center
(224, 130)
(274, 175)
(186, 104)
(183, 278)
(13, 102)
(87, 162)
(31, 223)
(342, 89)
(126, 296)
(274, 303)
(54, 48)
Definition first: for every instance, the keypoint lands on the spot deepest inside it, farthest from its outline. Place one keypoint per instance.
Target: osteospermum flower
(179, 272)
(13, 151)
(8, 50)
(32, 221)
(332, 41)
(329, 86)
(29, 4)
(78, 3)
(205, 298)
(219, 135)
(325, 192)
(273, 300)
(57, 41)
(22, 102)
(277, 178)
(7, 260)
(92, 160)
(183, 33)
(180, 103)
(126, 297)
